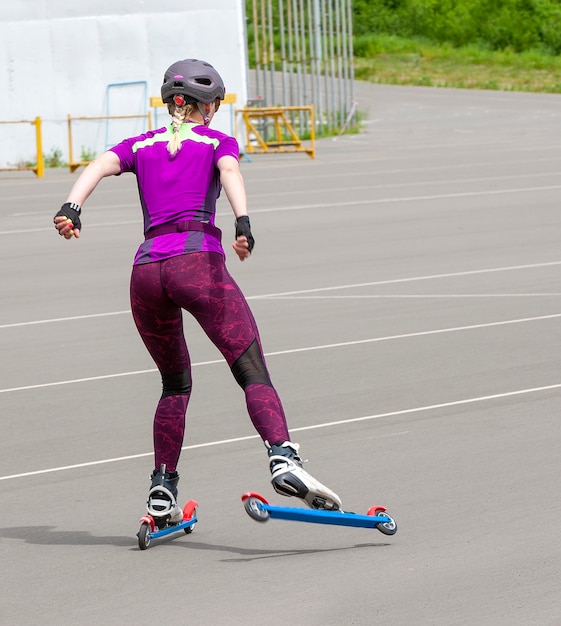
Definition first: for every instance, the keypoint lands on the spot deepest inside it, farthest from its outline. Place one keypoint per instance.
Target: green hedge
(519, 25)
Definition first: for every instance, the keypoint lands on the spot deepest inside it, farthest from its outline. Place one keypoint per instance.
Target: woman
(180, 171)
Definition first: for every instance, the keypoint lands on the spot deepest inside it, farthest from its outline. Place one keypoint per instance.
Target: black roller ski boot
(162, 498)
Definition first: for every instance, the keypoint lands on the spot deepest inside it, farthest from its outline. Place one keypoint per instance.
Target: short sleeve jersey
(176, 188)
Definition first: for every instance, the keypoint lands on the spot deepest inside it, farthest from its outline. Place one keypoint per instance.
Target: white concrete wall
(58, 57)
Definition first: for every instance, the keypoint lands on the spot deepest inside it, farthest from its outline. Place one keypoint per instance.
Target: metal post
(318, 102)
(291, 100)
(305, 69)
(337, 63)
(40, 169)
(345, 61)
(296, 36)
(265, 60)
(271, 51)
(257, 48)
(329, 103)
(283, 51)
(351, 53)
(70, 157)
(331, 62)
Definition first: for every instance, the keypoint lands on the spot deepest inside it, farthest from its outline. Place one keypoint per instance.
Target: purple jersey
(177, 188)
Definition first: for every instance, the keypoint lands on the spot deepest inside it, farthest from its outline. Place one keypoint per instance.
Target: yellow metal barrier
(276, 131)
(74, 165)
(39, 168)
(229, 98)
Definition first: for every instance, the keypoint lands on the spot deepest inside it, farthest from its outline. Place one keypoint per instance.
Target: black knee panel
(250, 369)
(176, 384)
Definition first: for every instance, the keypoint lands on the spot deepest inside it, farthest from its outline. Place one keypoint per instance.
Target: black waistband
(180, 227)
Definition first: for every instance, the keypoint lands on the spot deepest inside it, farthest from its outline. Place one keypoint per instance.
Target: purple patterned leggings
(199, 283)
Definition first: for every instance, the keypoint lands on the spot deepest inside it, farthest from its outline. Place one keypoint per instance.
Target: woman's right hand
(241, 247)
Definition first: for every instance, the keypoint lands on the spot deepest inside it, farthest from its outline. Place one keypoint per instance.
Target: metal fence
(302, 51)
(39, 166)
(85, 159)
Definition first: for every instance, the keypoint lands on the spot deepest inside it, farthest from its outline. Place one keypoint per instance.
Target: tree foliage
(519, 25)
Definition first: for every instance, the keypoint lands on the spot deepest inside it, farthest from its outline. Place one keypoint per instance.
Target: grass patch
(392, 60)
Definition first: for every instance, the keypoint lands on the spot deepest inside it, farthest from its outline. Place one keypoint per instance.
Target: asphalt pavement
(406, 283)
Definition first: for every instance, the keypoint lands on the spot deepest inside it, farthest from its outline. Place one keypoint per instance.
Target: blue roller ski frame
(150, 531)
(258, 508)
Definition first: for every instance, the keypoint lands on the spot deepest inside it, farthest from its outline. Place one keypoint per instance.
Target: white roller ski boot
(162, 498)
(290, 479)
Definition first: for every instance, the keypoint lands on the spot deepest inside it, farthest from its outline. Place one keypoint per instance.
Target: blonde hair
(178, 115)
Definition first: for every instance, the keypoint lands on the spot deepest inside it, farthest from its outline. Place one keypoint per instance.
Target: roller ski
(259, 509)
(290, 479)
(165, 516)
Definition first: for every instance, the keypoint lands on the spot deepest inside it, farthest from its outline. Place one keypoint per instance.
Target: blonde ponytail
(178, 114)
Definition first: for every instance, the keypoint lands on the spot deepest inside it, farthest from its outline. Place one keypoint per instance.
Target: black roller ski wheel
(255, 511)
(144, 536)
(387, 528)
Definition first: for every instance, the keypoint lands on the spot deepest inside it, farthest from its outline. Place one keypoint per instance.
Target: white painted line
(66, 319)
(412, 183)
(93, 378)
(442, 196)
(358, 172)
(417, 295)
(328, 346)
(318, 290)
(396, 281)
(401, 185)
(333, 205)
(351, 420)
(89, 225)
(411, 335)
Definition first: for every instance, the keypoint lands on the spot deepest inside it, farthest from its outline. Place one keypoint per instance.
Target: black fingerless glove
(72, 211)
(243, 229)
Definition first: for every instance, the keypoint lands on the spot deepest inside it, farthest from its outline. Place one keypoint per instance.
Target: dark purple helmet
(196, 81)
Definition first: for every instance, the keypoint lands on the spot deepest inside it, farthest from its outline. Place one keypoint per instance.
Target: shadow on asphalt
(47, 535)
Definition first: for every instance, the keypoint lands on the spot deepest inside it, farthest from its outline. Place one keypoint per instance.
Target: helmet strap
(206, 117)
